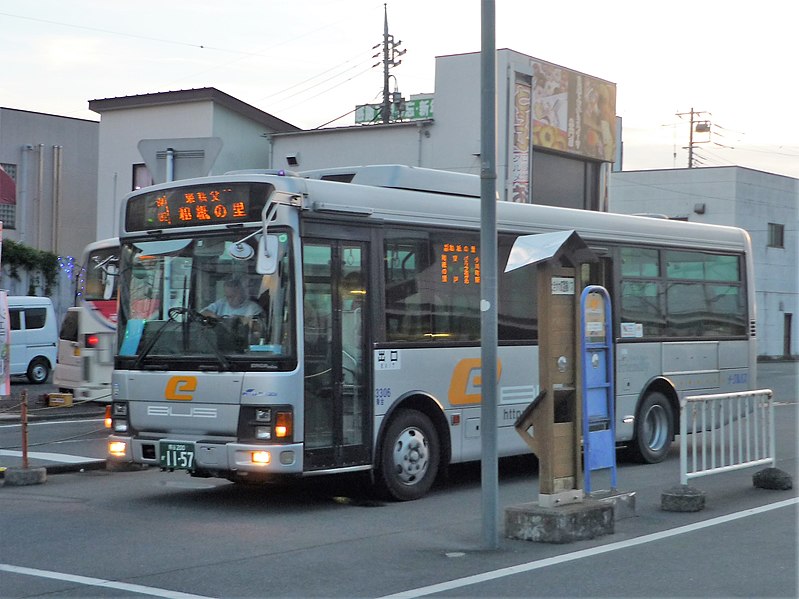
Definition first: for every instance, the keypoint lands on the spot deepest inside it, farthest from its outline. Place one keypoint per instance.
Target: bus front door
(337, 406)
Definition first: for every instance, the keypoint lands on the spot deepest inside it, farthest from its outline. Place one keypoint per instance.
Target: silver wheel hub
(656, 427)
(411, 456)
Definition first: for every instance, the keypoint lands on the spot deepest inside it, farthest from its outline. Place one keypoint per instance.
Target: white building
(195, 123)
(766, 205)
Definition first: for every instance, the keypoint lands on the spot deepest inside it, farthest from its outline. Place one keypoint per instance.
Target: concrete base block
(564, 524)
(682, 498)
(623, 502)
(20, 477)
(773, 479)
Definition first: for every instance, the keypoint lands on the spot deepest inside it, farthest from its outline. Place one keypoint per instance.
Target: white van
(34, 337)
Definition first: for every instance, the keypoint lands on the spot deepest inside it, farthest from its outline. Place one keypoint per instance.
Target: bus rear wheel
(654, 429)
(409, 458)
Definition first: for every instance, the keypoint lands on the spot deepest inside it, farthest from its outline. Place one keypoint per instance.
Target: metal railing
(729, 431)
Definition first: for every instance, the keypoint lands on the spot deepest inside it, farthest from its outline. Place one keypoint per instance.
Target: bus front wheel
(409, 458)
(654, 429)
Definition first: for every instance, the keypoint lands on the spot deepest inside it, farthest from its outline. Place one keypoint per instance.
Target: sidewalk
(38, 408)
(39, 411)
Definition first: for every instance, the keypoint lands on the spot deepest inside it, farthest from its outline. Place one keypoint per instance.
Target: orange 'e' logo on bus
(464, 387)
(180, 388)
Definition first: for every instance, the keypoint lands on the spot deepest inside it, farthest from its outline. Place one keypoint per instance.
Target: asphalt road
(147, 533)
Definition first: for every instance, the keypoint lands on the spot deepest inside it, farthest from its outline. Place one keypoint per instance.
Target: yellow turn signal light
(107, 420)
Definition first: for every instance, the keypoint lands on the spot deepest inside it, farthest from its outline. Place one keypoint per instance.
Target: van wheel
(654, 429)
(38, 371)
(409, 457)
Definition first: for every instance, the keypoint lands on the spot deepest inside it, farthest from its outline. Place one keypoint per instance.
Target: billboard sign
(573, 112)
(415, 109)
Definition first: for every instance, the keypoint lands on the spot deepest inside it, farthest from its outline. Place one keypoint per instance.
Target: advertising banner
(5, 334)
(415, 109)
(573, 112)
(5, 346)
(520, 161)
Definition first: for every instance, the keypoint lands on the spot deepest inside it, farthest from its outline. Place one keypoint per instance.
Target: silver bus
(359, 347)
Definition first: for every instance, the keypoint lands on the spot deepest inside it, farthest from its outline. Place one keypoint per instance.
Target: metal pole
(488, 274)
(691, 141)
(23, 417)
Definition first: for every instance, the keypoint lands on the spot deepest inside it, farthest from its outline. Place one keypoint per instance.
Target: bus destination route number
(176, 456)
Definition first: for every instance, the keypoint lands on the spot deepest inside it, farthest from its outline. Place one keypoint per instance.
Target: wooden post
(23, 416)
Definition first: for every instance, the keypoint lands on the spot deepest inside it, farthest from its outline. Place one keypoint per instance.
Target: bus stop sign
(596, 363)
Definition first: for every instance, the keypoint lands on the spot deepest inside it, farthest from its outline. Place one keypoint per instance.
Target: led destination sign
(196, 206)
(460, 264)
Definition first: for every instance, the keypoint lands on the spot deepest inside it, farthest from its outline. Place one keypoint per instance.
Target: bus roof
(406, 199)
(446, 210)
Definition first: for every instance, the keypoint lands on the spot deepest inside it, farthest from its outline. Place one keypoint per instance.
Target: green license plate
(176, 455)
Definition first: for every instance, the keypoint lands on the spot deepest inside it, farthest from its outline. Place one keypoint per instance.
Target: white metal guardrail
(729, 431)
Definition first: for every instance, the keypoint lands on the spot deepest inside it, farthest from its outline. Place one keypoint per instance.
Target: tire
(409, 457)
(654, 429)
(38, 371)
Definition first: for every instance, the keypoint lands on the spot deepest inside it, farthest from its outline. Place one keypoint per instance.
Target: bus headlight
(261, 457)
(118, 417)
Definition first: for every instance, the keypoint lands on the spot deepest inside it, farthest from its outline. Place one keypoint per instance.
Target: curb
(15, 418)
(67, 468)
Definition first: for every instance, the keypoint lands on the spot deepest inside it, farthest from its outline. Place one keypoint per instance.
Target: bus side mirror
(266, 263)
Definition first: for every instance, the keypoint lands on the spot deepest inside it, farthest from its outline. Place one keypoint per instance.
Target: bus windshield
(197, 302)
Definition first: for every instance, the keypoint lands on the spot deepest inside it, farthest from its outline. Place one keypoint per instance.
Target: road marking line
(63, 458)
(99, 582)
(568, 557)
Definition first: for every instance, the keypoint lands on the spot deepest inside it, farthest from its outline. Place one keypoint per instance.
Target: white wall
(245, 143)
(407, 144)
(120, 133)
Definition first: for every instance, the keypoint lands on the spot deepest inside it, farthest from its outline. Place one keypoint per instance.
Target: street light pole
(488, 276)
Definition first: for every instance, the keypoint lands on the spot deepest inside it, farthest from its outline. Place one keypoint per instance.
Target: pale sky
(310, 61)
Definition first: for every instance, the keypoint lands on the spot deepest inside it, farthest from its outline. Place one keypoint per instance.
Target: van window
(69, 328)
(35, 318)
(14, 317)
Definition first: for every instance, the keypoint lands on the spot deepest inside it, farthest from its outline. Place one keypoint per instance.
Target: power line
(310, 87)
(123, 34)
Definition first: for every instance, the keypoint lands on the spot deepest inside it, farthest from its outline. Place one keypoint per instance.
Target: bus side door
(338, 408)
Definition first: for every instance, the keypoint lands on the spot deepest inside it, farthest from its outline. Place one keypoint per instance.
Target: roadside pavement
(89, 457)
(39, 408)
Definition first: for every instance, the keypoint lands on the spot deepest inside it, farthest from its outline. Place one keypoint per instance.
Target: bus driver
(235, 302)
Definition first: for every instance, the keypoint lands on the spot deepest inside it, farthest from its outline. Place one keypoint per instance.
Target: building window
(8, 195)
(141, 177)
(776, 235)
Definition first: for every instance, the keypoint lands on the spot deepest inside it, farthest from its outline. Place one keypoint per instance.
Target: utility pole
(698, 126)
(390, 56)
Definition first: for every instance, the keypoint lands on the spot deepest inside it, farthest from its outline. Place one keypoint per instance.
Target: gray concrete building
(48, 195)
(764, 204)
(50, 181)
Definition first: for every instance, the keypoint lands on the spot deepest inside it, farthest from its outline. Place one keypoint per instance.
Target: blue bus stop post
(597, 364)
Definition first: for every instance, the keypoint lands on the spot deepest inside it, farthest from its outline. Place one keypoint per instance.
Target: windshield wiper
(191, 315)
(206, 322)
